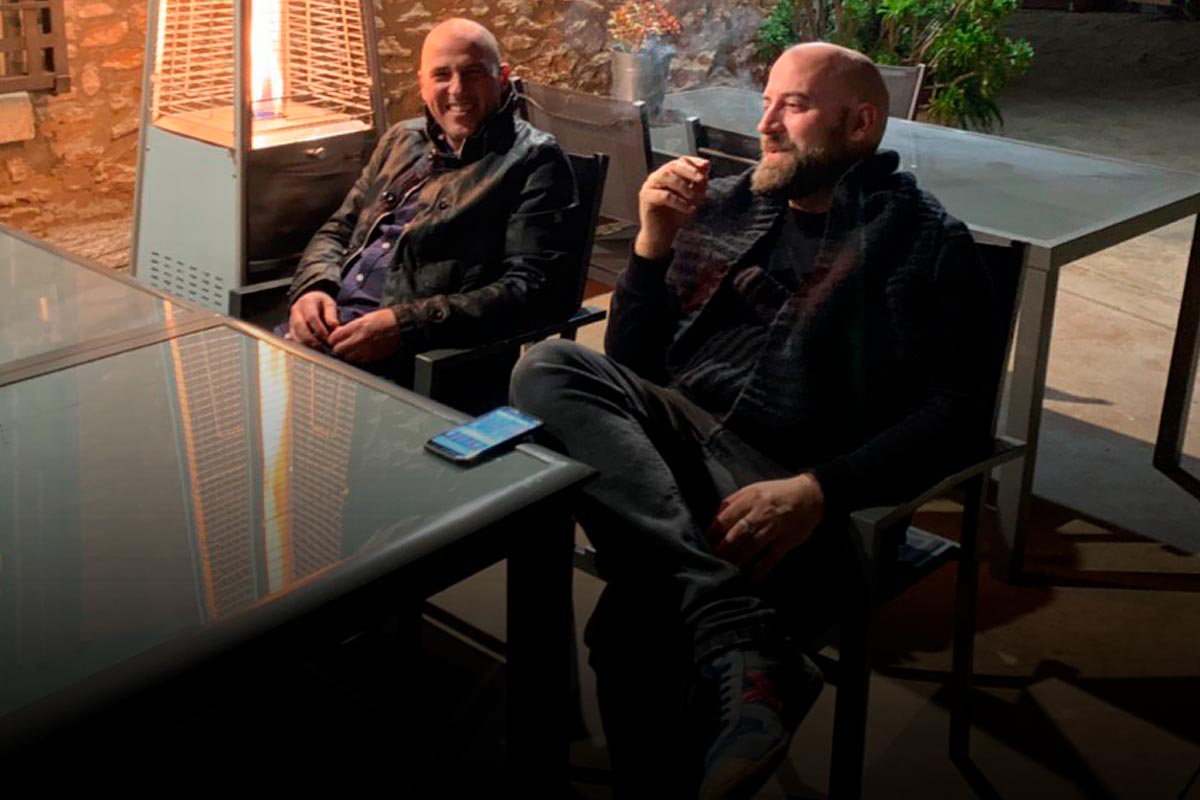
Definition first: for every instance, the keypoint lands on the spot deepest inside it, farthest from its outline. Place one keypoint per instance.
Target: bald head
(824, 109)
(845, 76)
(839, 74)
(462, 78)
(461, 34)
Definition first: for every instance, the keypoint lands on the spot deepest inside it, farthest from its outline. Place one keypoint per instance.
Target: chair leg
(850, 715)
(965, 601)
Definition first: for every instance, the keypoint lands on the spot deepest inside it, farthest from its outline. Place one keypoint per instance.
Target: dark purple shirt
(362, 284)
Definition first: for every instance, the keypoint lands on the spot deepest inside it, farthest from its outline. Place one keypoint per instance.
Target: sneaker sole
(744, 785)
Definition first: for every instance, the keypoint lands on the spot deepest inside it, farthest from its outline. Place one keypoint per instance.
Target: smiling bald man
(454, 234)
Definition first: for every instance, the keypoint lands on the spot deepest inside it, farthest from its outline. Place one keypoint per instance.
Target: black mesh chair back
(585, 123)
(904, 87)
(590, 173)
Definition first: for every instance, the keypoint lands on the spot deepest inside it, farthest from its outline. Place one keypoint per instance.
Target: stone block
(18, 169)
(105, 35)
(416, 13)
(126, 98)
(77, 150)
(125, 127)
(124, 58)
(89, 79)
(519, 43)
(16, 118)
(389, 46)
(90, 10)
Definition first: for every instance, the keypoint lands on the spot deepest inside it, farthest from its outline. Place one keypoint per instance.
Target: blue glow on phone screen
(490, 429)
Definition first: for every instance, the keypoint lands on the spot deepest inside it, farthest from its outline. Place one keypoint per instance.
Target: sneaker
(760, 701)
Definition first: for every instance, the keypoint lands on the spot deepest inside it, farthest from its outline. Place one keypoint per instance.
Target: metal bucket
(642, 76)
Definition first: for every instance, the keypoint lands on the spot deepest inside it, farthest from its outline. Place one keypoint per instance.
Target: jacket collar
(749, 216)
(495, 134)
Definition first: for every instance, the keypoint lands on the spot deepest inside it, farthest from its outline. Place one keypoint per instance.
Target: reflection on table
(152, 494)
(49, 302)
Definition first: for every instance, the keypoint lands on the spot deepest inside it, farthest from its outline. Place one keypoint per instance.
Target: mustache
(777, 144)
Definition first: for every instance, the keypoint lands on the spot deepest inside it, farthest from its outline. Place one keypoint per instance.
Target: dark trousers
(665, 465)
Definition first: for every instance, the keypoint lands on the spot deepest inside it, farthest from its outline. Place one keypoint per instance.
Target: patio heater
(257, 116)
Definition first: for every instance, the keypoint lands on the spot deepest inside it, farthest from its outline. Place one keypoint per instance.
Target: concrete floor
(1088, 673)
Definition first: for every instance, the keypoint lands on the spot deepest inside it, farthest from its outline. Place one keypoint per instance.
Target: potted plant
(967, 56)
(641, 52)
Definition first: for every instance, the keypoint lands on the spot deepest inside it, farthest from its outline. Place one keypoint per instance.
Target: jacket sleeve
(321, 262)
(951, 424)
(538, 268)
(642, 318)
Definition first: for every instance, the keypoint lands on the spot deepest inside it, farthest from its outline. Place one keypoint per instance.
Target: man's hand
(313, 318)
(369, 338)
(668, 199)
(759, 524)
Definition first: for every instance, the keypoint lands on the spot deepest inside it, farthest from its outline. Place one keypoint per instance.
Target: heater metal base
(197, 239)
(188, 230)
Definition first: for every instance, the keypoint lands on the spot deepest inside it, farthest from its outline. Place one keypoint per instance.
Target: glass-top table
(169, 501)
(1060, 206)
(52, 304)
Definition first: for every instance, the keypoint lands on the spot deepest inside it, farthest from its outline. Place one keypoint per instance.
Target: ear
(505, 72)
(863, 121)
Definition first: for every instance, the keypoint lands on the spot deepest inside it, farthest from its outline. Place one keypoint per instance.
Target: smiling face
(461, 78)
(817, 119)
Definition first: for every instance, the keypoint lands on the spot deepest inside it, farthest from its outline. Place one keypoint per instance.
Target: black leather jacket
(489, 252)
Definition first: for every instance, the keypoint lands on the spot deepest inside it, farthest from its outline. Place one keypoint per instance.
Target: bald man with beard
(809, 338)
(456, 233)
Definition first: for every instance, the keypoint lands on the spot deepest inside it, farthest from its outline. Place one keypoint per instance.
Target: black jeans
(665, 464)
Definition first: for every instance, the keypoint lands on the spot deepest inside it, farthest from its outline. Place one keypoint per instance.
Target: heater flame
(266, 58)
(275, 420)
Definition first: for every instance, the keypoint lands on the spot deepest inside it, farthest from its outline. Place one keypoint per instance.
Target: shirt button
(386, 246)
(359, 277)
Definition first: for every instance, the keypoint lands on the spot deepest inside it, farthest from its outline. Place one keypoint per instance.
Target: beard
(798, 171)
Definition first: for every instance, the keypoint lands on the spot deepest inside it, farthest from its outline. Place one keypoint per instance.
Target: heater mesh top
(308, 65)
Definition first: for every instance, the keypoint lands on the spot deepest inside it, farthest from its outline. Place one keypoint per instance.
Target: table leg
(1038, 286)
(1168, 449)
(540, 635)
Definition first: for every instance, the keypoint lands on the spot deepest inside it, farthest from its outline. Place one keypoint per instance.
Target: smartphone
(483, 436)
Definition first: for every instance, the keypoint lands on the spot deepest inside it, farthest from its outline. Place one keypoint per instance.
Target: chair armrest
(870, 523)
(430, 361)
(255, 301)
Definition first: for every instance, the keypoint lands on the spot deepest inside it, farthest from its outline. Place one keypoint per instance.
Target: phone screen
(482, 434)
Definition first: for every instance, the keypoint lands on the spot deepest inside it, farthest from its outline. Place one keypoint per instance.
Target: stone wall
(565, 42)
(77, 173)
(80, 164)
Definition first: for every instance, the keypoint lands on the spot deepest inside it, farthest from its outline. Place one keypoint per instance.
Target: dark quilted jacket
(879, 374)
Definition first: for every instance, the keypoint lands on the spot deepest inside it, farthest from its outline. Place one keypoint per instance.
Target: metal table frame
(1037, 296)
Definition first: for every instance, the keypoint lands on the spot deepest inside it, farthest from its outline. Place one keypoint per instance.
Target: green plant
(967, 56)
(791, 21)
(777, 31)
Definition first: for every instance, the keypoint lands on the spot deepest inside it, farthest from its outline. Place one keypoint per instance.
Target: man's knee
(545, 369)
